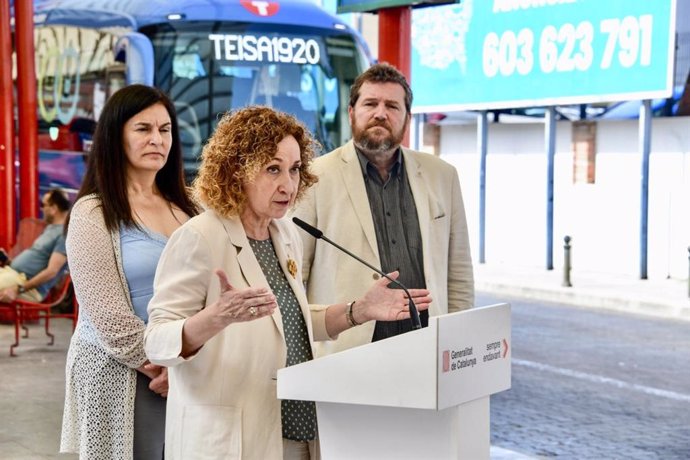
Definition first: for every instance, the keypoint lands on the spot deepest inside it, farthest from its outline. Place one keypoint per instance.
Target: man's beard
(366, 142)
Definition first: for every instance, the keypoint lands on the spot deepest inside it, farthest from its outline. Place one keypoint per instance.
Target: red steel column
(8, 210)
(395, 42)
(26, 104)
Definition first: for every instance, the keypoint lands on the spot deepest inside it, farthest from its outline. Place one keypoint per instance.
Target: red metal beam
(26, 108)
(395, 42)
(8, 210)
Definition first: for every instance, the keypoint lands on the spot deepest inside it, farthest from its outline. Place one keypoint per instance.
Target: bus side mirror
(136, 51)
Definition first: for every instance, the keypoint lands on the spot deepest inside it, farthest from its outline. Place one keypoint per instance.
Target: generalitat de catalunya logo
(501, 348)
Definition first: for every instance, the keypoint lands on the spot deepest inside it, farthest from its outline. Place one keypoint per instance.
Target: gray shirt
(33, 260)
(397, 233)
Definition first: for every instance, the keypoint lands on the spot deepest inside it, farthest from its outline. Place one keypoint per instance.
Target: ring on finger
(253, 311)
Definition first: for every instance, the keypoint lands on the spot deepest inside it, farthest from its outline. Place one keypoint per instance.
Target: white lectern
(420, 395)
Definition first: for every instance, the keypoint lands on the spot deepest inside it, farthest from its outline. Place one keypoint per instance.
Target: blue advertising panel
(484, 54)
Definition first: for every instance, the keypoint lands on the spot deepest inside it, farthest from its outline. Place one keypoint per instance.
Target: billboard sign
(520, 53)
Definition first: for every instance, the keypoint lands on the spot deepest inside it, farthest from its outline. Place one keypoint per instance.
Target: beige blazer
(338, 205)
(222, 402)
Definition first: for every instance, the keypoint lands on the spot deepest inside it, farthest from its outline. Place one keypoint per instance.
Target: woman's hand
(239, 305)
(158, 376)
(382, 303)
(159, 384)
(233, 306)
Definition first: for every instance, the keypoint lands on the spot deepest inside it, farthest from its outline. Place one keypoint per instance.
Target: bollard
(566, 262)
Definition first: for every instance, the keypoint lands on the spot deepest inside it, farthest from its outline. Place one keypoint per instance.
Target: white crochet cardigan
(107, 345)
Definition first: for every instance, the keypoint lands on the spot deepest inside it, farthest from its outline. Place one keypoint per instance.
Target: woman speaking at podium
(229, 307)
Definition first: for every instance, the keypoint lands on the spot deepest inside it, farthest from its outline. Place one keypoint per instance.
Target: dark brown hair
(107, 162)
(381, 73)
(58, 198)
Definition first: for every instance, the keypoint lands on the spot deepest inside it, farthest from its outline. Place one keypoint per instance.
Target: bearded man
(395, 208)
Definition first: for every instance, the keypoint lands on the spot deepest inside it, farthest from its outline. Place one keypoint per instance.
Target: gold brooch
(292, 267)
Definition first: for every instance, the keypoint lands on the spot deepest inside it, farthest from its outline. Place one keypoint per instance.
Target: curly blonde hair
(244, 141)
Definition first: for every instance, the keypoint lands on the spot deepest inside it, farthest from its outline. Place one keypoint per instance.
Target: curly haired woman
(229, 307)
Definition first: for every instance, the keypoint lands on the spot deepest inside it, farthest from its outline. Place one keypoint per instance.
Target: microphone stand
(414, 313)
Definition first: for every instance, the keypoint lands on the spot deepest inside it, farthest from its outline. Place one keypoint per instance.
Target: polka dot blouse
(298, 417)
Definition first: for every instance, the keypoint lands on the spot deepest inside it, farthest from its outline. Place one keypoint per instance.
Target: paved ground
(594, 384)
(32, 384)
(664, 298)
(32, 387)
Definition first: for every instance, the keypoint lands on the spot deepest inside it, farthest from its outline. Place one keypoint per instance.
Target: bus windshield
(208, 68)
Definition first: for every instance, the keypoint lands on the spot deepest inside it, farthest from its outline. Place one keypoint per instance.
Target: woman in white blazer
(229, 307)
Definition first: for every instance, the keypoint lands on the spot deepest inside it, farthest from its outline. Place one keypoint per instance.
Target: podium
(420, 395)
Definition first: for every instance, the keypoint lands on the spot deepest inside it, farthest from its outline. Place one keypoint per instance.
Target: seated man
(35, 270)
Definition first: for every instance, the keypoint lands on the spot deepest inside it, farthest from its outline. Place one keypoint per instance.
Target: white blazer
(222, 401)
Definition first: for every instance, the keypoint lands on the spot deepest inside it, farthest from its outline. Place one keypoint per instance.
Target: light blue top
(141, 249)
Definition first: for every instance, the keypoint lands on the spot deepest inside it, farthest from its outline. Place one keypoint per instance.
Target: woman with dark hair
(132, 199)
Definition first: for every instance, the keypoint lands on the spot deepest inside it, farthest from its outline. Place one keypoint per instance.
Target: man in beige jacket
(396, 208)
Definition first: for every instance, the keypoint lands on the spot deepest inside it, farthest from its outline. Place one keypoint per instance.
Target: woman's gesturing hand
(233, 306)
(239, 305)
(382, 303)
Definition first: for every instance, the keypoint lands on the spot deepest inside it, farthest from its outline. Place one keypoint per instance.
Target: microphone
(318, 234)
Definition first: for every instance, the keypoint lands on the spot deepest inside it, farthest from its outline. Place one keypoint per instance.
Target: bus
(210, 57)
